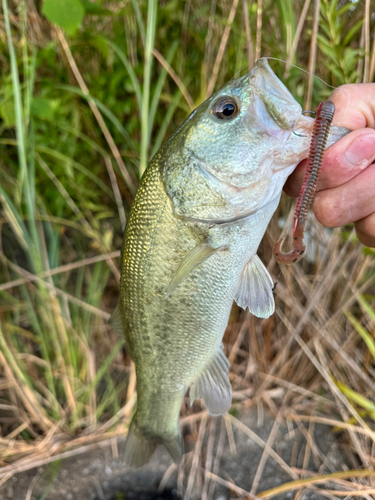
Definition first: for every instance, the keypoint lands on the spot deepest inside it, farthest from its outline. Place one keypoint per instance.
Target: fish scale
(190, 246)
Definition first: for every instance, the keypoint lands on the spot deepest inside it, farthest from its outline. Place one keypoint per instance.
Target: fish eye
(225, 108)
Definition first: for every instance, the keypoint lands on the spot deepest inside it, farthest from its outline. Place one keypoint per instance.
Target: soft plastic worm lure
(323, 120)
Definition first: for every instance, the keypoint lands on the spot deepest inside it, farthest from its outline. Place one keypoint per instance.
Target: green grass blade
(145, 124)
(107, 112)
(15, 221)
(166, 121)
(141, 25)
(366, 336)
(357, 398)
(85, 138)
(159, 87)
(366, 306)
(129, 69)
(111, 396)
(102, 370)
(20, 132)
(63, 158)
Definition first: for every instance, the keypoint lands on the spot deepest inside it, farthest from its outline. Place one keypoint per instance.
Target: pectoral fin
(115, 321)
(192, 260)
(213, 385)
(254, 289)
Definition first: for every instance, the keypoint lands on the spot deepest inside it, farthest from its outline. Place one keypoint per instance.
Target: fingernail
(361, 151)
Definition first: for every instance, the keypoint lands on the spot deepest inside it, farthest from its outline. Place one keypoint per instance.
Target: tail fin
(140, 447)
(174, 446)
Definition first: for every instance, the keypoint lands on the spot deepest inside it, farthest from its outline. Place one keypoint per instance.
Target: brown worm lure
(323, 120)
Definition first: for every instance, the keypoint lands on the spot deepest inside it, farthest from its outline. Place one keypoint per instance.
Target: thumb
(354, 105)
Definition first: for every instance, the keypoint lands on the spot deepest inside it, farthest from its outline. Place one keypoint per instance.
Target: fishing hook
(308, 111)
(295, 133)
(303, 113)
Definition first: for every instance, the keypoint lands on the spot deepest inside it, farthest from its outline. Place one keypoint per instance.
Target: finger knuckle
(340, 94)
(327, 210)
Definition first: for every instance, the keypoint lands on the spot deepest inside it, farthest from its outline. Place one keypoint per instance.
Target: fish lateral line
(324, 117)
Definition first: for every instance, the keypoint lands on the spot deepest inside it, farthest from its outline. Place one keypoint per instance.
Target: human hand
(346, 186)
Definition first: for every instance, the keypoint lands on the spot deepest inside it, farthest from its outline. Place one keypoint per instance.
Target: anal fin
(254, 289)
(213, 385)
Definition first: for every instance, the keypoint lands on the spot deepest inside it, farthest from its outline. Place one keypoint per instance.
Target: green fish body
(190, 246)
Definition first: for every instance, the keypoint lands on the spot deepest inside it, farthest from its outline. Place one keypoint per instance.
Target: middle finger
(348, 202)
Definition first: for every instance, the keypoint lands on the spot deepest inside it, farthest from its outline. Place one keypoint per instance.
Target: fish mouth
(273, 111)
(279, 102)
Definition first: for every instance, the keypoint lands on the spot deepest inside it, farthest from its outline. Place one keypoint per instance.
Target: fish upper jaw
(277, 99)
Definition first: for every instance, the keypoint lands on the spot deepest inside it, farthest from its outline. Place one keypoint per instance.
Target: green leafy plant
(67, 14)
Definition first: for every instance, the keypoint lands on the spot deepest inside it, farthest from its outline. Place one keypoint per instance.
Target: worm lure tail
(323, 120)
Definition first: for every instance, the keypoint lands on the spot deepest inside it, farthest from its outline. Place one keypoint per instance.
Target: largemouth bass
(201, 210)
